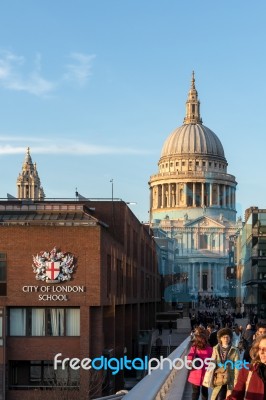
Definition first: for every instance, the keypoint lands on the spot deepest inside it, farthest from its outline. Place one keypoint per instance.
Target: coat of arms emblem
(54, 266)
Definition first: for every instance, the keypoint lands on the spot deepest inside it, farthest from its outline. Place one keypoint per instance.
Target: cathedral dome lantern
(192, 172)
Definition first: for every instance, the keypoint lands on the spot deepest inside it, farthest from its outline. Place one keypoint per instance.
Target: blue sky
(95, 87)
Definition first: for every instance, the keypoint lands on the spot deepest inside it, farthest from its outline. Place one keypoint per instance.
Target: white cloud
(79, 70)
(69, 147)
(15, 76)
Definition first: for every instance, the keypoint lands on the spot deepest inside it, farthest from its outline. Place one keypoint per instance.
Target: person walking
(248, 335)
(236, 336)
(170, 326)
(158, 344)
(251, 383)
(213, 341)
(222, 352)
(261, 330)
(200, 350)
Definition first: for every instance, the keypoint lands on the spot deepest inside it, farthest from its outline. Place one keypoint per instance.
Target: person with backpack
(224, 377)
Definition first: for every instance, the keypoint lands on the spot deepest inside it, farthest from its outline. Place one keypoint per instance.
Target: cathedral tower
(192, 175)
(193, 201)
(28, 182)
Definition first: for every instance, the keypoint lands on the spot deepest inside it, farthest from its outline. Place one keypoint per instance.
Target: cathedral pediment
(205, 222)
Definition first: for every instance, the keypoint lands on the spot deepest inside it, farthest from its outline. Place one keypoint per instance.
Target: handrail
(155, 385)
(117, 396)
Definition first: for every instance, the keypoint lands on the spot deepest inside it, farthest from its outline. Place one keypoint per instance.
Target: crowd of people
(239, 355)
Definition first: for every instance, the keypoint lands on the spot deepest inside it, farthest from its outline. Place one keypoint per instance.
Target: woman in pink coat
(251, 383)
(199, 351)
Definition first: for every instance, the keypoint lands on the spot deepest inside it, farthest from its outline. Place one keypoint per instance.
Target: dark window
(3, 273)
(109, 275)
(119, 278)
(32, 374)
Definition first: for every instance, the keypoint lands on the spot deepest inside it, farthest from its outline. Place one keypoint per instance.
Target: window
(203, 163)
(203, 242)
(119, 278)
(210, 164)
(109, 274)
(44, 321)
(3, 268)
(41, 373)
(183, 163)
(177, 163)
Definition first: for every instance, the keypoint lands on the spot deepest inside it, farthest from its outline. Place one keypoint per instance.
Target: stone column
(229, 197)
(193, 277)
(157, 196)
(222, 276)
(173, 195)
(202, 194)
(210, 195)
(194, 195)
(176, 194)
(185, 193)
(209, 277)
(163, 194)
(215, 277)
(169, 196)
(224, 196)
(218, 195)
(200, 278)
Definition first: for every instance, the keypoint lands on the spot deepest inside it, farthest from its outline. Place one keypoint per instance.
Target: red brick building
(76, 277)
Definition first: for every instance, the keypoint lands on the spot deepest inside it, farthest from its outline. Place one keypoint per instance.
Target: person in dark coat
(248, 334)
(251, 383)
(261, 330)
(213, 340)
(170, 326)
(159, 344)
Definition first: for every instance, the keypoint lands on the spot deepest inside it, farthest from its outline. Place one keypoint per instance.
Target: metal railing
(155, 385)
(117, 396)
